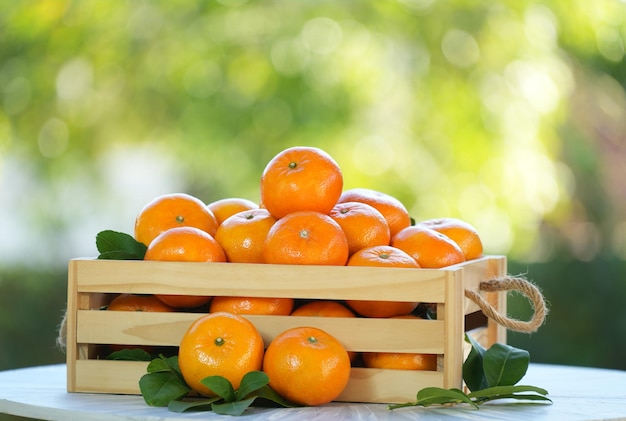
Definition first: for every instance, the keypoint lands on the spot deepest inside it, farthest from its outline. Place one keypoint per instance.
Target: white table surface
(577, 393)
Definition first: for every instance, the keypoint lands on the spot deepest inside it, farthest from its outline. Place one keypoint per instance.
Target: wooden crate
(92, 283)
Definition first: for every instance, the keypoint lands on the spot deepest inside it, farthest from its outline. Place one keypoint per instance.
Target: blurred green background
(508, 114)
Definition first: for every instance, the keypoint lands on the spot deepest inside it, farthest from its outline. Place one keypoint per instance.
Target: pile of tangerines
(305, 218)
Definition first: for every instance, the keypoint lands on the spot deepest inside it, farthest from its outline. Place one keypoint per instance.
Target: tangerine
(307, 366)
(459, 231)
(400, 361)
(229, 206)
(306, 238)
(170, 211)
(431, 249)
(138, 302)
(252, 305)
(184, 244)
(219, 344)
(301, 178)
(243, 234)
(383, 256)
(394, 212)
(363, 225)
(325, 308)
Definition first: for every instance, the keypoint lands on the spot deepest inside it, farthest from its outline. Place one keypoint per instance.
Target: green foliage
(32, 303)
(119, 246)
(163, 382)
(490, 374)
(457, 108)
(500, 365)
(134, 354)
(164, 385)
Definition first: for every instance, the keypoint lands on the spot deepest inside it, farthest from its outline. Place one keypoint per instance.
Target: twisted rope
(509, 283)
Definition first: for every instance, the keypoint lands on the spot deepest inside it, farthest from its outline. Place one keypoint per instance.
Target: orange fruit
(307, 366)
(325, 308)
(363, 225)
(431, 249)
(394, 212)
(459, 231)
(243, 234)
(306, 238)
(219, 344)
(170, 211)
(229, 206)
(185, 244)
(138, 302)
(301, 178)
(400, 361)
(252, 305)
(383, 256)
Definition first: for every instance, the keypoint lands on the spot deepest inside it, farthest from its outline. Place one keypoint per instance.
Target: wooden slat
(454, 329)
(167, 329)
(321, 282)
(101, 376)
(365, 384)
(389, 386)
(496, 332)
(71, 351)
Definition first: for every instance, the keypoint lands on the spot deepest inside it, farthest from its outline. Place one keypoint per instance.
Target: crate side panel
(477, 271)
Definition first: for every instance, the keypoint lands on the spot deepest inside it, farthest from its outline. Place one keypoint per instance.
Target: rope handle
(509, 283)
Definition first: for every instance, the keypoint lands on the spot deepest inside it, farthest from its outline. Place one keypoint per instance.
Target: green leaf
(118, 245)
(473, 367)
(119, 255)
(232, 408)
(159, 389)
(164, 364)
(251, 382)
(270, 394)
(192, 405)
(522, 397)
(437, 396)
(500, 392)
(505, 365)
(221, 387)
(131, 354)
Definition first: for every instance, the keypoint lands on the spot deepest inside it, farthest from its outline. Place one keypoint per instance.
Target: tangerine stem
(312, 339)
(180, 219)
(219, 341)
(304, 234)
(293, 165)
